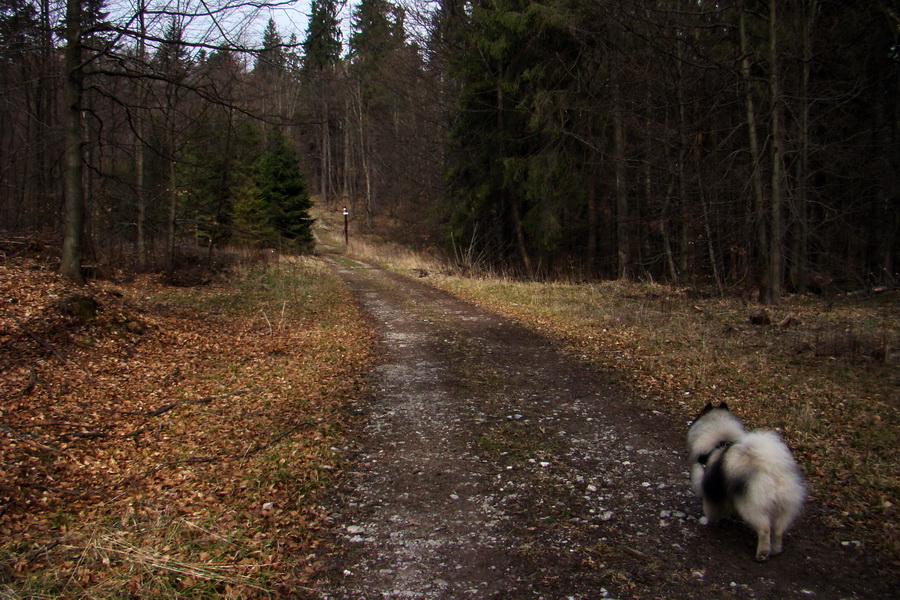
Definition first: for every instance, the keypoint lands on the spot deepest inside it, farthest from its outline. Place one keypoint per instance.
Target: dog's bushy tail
(761, 465)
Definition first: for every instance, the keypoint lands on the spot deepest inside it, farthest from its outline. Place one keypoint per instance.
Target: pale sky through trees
(294, 19)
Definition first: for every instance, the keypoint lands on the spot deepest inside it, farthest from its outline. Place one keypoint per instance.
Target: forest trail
(489, 463)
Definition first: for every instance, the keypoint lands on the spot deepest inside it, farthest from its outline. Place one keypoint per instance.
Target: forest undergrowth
(823, 372)
(159, 441)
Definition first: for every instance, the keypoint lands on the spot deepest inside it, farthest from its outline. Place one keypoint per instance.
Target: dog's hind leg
(764, 539)
(777, 536)
(781, 524)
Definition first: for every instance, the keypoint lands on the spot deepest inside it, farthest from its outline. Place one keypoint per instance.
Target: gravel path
(488, 463)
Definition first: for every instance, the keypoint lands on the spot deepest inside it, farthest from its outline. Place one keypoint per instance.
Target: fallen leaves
(145, 458)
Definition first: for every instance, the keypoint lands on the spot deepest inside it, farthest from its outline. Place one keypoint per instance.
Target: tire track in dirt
(488, 463)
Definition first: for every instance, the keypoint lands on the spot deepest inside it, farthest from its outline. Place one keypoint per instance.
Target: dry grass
(827, 380)
(824, 373)
(181, 458)
(395, 257)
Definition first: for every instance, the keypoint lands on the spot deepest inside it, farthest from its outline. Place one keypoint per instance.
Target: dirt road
(489, 463)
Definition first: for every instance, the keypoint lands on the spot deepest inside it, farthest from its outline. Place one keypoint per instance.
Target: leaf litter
(171, 440)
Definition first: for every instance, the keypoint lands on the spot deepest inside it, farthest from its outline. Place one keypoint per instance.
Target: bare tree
(92, 57)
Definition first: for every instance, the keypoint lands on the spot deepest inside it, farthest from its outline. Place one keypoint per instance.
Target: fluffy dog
(752, 474)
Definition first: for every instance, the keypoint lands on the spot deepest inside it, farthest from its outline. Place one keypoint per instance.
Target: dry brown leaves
(160, 450)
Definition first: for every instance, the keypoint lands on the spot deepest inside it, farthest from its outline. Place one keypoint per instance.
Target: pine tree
(19, 29)
(510, 178)
(377, 31)
(322, 46)
(376, 43)
(172, 59)
(322, 50)
(281, 188)
(272, 59)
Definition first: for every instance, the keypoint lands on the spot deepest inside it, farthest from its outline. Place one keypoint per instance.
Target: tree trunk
(139, 184)
(666, 235)
(140, 195)
(520, 238)
(323, 159)
(364, 156)
(73, 215)
(46, 115)
(774, 270)
(800, 238)
(347, 191)
(758, 218)
(682, 205)
(622, 226)
(515, 216)
(592, 227)
(347, 141)
(173, 200)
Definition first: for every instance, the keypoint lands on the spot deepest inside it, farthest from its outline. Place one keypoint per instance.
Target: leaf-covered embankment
(158, 440)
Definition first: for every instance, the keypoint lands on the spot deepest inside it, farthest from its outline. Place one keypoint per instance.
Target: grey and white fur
(752, 474)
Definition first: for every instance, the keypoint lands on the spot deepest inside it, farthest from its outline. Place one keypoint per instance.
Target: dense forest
(745, 145)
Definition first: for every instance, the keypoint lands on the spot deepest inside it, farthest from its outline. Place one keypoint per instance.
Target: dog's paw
(762, 556)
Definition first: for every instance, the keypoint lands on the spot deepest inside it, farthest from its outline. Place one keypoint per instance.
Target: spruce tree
(322, 50)
(322, 46)
(511, 176)
(272, 58)
(281, 188)
(377, 31)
